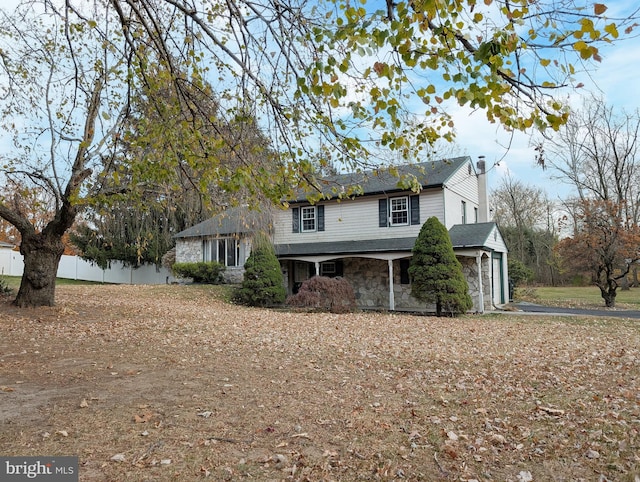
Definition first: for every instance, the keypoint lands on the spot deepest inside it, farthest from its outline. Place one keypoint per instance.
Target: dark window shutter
(415, 209)
(339, 267)
(296, 219)
(320, 214)
(382, 213)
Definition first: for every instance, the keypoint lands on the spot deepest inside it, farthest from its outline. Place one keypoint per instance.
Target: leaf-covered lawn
(170, 383)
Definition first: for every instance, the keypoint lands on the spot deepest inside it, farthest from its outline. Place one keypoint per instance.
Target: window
(222, 250)
(308, 218)
(463, 206)
(399, 211)
(475, 214)
(328, 268)
(331, 269)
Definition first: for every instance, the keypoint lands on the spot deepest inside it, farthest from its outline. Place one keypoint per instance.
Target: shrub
(262, 284)
(4, 287)
(436, 274)
(519, 272)
(335, 295)
(204, 272)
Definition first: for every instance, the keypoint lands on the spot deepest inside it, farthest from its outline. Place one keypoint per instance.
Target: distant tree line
(593, 236)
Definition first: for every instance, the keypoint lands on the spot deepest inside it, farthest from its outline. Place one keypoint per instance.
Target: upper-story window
(399, 211)
(475, 215)
(463, 207)
(308, 219)
(308, 215)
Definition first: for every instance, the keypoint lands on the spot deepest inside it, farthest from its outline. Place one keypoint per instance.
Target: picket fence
(74, 267)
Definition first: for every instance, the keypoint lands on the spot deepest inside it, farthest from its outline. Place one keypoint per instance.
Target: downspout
(392, 301)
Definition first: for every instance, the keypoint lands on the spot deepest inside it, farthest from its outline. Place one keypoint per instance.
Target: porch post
(481, 293)
(392, 301)
(317, 263)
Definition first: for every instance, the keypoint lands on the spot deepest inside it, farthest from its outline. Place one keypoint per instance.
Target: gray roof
(462, 236)
(428, 174)
(346, 247)
(230, 221)
(471, 235)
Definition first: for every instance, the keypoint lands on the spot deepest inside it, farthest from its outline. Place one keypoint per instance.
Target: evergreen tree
(436, 274)
(262, 284)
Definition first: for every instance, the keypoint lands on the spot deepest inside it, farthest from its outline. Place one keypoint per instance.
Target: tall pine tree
(436, 274)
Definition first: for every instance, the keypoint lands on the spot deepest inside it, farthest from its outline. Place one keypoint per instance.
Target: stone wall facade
(189, 250)
(370, 281)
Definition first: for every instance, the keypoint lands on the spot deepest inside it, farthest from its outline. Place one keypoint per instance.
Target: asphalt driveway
(551, 310)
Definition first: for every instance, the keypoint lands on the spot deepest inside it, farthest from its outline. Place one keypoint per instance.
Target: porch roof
(346, 247)
(471, 235)
(462, 236)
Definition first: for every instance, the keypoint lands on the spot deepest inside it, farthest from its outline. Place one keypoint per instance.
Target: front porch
(381, 280)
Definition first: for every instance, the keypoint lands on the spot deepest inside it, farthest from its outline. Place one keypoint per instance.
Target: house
(225, 238)
(367, 238)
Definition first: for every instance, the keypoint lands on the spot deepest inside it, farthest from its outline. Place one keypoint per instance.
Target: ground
(172, 383)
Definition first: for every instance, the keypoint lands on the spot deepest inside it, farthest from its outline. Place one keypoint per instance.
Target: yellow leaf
(580, 46)
(545, 62)
(599, 8)
(612, 30)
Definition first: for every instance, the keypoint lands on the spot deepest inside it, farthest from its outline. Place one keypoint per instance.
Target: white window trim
(328, 268)
(210, 243)
(302, 219)
(407, 210)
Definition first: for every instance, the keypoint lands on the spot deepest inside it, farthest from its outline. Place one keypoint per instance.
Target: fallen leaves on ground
(171, 383)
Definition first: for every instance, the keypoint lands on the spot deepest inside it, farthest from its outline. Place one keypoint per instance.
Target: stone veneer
(189, 250)
(370, 281)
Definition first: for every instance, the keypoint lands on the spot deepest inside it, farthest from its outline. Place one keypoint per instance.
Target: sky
(616, 80)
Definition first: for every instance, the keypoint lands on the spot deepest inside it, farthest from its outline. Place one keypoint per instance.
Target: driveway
(553, 310)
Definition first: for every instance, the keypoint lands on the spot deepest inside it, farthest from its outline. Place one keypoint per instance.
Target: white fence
(74, 267)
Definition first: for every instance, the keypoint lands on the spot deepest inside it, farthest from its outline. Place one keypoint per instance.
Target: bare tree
(527, 220)
(596, 152)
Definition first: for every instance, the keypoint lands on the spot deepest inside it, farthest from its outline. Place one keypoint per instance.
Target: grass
(580, 296)
(13, 282)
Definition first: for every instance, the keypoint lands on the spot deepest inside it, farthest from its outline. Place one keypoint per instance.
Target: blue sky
(616, 79)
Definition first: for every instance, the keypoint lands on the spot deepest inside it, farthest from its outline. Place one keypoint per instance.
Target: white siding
(357, 219)
(462, 186)
(495, 241)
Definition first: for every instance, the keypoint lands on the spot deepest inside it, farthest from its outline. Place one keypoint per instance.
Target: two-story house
(368, 238)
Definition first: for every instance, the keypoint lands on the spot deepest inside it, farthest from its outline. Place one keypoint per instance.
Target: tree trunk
(609, 296)
(41, 259)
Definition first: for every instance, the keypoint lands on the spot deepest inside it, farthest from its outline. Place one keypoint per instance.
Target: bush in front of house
(262, 284)
(436, 274)
(335, 295)
(209, 272)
